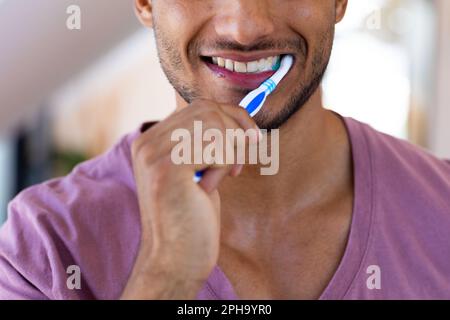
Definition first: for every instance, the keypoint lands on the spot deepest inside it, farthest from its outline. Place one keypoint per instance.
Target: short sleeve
(34, 248)
(88, 220)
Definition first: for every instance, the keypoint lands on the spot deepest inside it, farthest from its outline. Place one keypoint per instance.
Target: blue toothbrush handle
(254, 101)
(198, 176)
(252, 108)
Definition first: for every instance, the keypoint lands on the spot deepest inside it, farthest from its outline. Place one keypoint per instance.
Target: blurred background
(68, 94)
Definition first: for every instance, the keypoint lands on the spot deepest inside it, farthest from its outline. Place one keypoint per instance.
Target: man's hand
(180, 219)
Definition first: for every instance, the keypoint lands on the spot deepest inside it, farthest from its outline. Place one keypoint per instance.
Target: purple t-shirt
(398, 247)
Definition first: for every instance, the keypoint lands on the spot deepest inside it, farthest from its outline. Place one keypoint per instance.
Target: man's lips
(249, 81)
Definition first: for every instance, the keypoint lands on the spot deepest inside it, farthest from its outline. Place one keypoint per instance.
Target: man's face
(222, 49)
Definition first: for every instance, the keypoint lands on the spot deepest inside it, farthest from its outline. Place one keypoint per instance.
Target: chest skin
(291, 259)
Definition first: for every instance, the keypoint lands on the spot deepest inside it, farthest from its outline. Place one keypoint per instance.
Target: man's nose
(245, 21)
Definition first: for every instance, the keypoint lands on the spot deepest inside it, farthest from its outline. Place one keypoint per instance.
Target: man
(351, 214)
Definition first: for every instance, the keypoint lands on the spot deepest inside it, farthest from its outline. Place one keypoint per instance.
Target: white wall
(126, 88)
(38, 53)
(439, 126)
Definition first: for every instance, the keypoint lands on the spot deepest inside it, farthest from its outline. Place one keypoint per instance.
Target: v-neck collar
(351, 263)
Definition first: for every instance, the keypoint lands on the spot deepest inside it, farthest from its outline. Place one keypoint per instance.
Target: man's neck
(315, 165)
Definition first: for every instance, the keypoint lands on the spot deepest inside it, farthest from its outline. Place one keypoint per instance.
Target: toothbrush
(254, 101)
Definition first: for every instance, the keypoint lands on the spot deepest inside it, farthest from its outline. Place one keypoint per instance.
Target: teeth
(220, 62)
(229, 65)
(252, 66)
(240, 67)
(262, 65)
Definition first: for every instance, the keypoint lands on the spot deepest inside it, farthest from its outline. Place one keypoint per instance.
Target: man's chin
(270, 120)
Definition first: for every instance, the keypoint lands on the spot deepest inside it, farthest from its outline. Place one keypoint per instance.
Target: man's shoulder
(407, 182)
(407, 214)
(400, 159)
(405, 178)
(100, 181)
(88, 218)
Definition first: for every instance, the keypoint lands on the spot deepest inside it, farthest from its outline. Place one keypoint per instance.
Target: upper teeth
(262, 65)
